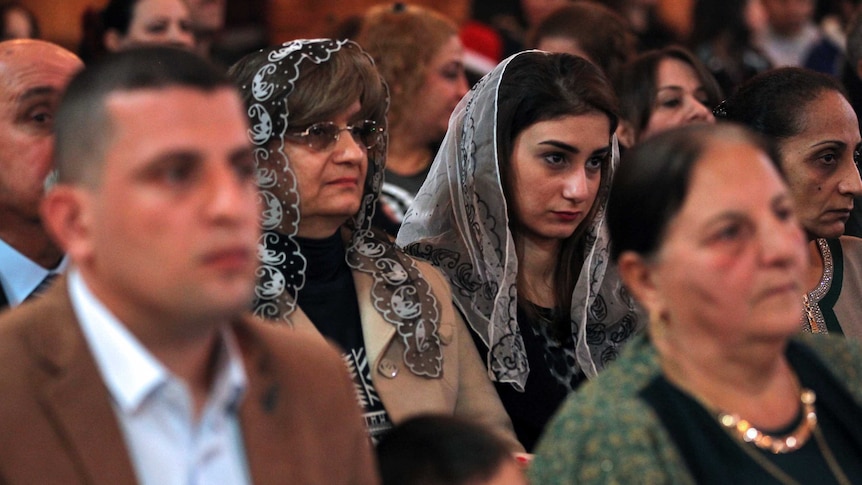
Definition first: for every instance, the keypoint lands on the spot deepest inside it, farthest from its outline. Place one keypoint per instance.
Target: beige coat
(465, 390)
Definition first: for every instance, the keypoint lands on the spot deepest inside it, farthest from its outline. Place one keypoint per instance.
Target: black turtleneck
(329, 297)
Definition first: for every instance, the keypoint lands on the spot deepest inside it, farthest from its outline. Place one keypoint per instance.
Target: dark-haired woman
(590, 30)
(663, 89)
(721, 391)
(124, 24)
(512, 213)
(421, 58)
(816, 131)
(723, 39)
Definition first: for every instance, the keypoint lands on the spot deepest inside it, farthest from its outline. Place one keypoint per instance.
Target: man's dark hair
(83, 126)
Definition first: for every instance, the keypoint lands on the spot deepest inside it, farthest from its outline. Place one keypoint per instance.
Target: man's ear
(639, 277)
(65, 211)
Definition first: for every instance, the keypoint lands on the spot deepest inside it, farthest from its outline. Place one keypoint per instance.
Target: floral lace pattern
(459, 223)
(399, 292)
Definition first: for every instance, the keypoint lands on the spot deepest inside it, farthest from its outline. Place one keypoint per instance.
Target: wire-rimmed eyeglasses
(323, 135)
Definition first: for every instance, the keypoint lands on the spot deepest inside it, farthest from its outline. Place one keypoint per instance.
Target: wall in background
(60, 20)
(291, 19)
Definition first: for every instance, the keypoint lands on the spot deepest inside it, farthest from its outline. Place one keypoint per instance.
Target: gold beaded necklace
(743, 433)
(792, 441)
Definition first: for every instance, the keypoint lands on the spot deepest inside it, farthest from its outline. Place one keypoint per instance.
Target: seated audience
(317, 110)
(33, 75)
(808, 117)
(141, 366)
(17, 22)
(123, 24)
(512, 214)
(851, 79)
(512, 19)
(722, 390)
(208, 20)
(420, 56)
(792, 38)
(722, 38)
(644, 19)
(589, 30)
(661, 89)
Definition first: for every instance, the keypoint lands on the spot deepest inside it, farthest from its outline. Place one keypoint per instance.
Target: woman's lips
(567, 216)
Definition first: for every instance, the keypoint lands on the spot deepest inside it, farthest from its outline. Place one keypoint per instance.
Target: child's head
(444, 450)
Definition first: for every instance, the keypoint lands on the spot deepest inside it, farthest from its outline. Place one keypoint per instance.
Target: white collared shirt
(19, 275)
(154, 407)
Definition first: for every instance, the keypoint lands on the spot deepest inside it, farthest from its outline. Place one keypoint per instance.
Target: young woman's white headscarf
(459, 222)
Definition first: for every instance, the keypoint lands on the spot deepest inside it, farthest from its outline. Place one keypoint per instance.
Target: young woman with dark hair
(512, 212)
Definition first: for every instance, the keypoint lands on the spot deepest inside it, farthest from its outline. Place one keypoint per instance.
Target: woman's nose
(699, 112)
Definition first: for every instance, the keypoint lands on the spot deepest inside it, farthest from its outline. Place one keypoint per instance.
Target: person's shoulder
(284, 342)
(596, 436)
(838, 352)
(851, 257)
(605, 432)
(841, 356)
(851, 243)
(613, 396)
(38, 340)
(429, 272)
(303, 362)
(17, 331)
(38, 322)
(13, 320)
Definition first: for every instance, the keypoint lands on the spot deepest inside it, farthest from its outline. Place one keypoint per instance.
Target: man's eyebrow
(36, 92)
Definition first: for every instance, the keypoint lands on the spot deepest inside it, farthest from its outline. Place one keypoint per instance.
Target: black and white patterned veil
(459, 222)
(399, 293)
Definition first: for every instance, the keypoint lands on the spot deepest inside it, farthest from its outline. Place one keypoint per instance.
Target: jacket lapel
(73, 394)
(264, 416)
(376, 332)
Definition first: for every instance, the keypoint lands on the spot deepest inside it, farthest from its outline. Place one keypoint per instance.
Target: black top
(329, 296)
(708, 449)
(329, 300)
(543, 393)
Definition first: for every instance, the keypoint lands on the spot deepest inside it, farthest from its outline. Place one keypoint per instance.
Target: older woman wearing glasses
(317, 113)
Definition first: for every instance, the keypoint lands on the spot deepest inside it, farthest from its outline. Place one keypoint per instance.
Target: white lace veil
(399, 293)
(459, 222)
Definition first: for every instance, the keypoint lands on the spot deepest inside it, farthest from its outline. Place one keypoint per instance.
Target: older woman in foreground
(720, 391)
